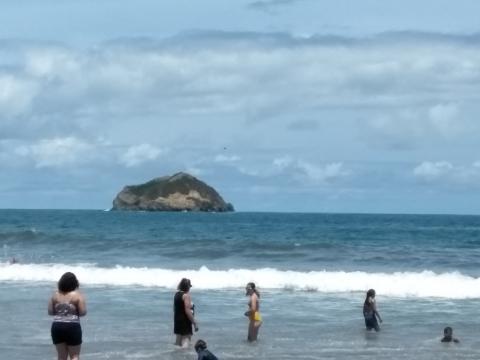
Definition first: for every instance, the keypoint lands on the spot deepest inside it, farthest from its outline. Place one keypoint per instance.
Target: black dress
(181, 323)
(370, 316)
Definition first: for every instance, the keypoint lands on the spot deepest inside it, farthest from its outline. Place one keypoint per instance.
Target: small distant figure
(183, 314)
(66, 306)
(448, 335)
(253, 313)
(13, 260)
(202, 351)
(370, 312)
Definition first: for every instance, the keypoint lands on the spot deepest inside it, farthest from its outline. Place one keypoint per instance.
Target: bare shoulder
(55, 296)
(77, 295)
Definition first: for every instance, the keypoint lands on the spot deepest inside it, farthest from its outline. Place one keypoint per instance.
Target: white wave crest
(452, 285)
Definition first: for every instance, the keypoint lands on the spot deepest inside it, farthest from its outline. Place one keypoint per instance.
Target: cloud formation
(56, 152)
(139, 154)
(233, 104)
(423, 85)
(445, 173)
(269, 6)
(309, 172)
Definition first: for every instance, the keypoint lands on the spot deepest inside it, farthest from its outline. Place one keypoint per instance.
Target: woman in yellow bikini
(255, 319)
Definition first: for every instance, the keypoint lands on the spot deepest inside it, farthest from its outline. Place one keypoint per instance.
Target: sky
(367, 106)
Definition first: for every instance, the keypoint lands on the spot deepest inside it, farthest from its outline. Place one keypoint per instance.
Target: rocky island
(180, 192)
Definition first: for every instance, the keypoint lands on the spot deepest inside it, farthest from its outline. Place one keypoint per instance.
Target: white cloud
(444, 118)
(220, 158)
(139, 154)
(56, 152)
(250, 75)
(283, 162)
(447, 173)
(322, 173)
(432, 170)
(303, 170)
(16, 94)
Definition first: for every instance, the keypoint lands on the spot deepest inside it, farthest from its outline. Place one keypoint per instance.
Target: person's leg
(74, 352)
(62, 351)
(178, 340)
(185, 342)
(256, 327)
(369, 324)
(251, 331)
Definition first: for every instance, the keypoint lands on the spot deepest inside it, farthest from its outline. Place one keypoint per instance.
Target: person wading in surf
(253, 314)
(370, 312)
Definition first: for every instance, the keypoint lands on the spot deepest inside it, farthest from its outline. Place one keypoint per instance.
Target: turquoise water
(312, 271)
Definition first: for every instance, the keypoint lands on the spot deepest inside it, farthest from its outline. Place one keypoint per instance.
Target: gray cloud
(269, 6)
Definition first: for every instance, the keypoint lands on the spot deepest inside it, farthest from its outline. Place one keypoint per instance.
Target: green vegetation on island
(180, 192)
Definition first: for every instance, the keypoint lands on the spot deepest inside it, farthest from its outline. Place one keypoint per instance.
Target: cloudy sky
(281, 105)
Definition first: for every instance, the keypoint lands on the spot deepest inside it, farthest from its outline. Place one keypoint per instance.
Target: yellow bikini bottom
(257, 316)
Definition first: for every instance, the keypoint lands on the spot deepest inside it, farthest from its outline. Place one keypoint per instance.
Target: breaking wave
(452, 285)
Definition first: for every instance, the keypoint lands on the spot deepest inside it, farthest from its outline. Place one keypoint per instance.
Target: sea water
(312, 271)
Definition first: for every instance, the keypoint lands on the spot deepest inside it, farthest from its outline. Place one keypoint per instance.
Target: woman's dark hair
(68, 282)
(370, 293)
(200, 345)
(184, 285)
(252, 286)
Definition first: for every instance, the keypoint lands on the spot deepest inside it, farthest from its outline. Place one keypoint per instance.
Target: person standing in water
(253, 313)
(67, 305)
(183, 317)
(370, 312)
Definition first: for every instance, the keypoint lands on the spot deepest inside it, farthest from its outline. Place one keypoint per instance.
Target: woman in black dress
(183, 316)
(370, 312)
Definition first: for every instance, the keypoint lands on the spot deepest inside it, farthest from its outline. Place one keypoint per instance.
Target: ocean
(312, 271)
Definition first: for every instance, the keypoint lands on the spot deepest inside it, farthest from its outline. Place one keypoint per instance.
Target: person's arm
(254, 305)
(374, 307)
(50, 306)
(81, 305)
(187, 301)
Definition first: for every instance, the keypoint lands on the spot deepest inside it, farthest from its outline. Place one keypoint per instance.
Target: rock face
(180, 192)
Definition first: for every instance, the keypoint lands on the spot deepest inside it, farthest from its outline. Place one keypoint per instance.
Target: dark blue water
(221, 241)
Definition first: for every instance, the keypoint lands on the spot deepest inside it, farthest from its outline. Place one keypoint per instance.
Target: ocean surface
(312, 271)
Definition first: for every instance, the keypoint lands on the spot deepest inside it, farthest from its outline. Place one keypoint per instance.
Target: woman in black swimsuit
(183, 317)
(370, 312)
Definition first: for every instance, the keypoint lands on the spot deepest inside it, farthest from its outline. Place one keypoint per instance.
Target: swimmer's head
(370, 293)
(200, 345)
(448, 331)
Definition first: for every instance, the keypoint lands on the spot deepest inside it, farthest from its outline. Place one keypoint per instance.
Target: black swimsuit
(370, 317)
(181, 323)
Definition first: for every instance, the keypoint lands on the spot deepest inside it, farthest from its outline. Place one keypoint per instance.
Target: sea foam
(426, 284)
